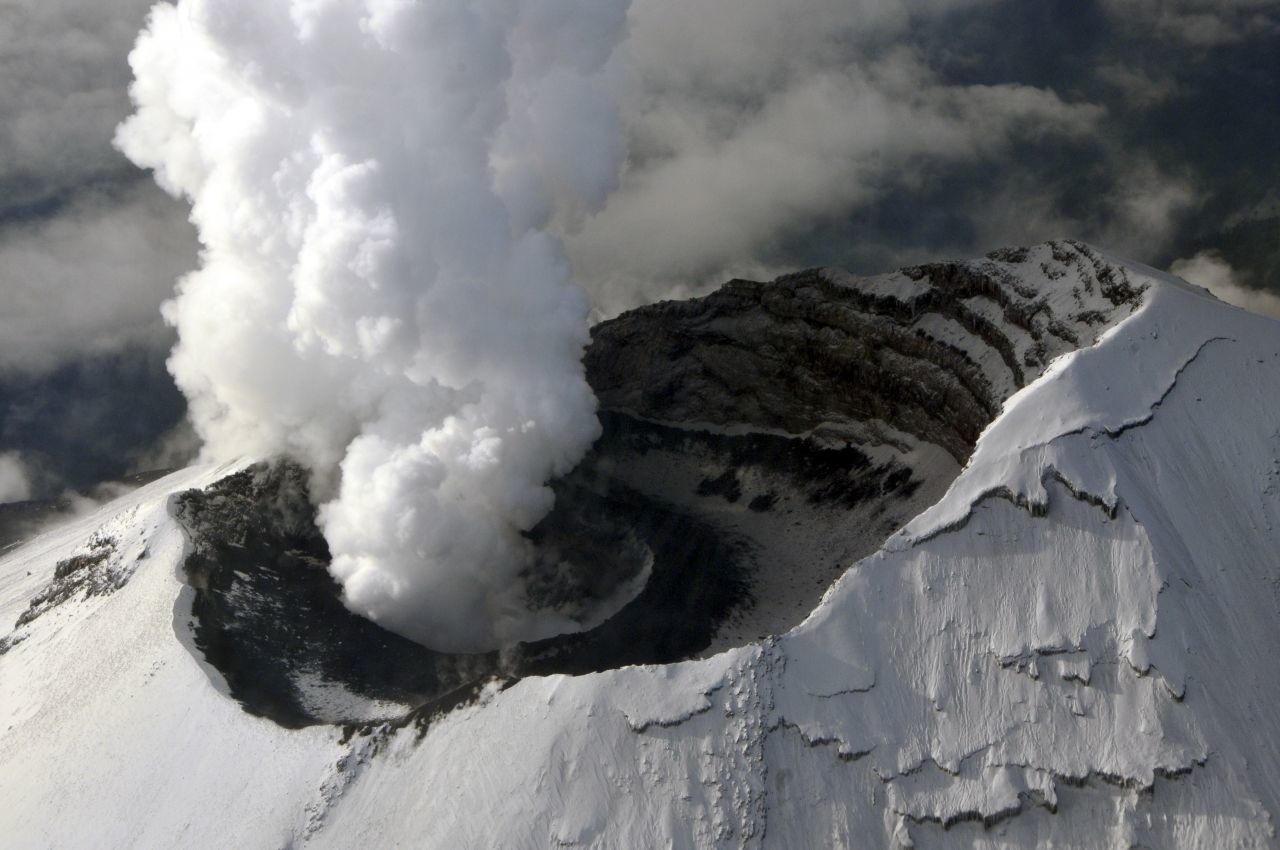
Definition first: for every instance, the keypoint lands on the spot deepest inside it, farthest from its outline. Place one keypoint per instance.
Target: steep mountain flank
(1027, 595)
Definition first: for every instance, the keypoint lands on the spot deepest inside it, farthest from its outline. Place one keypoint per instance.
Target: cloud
(705, 96)
(1210, 270)
(173, 449)
(90, 280)
(1145, 206)
(1202, 23)
(1265, 209)
(1124, 201)
(1138, 87)
(743, 133)
(15, 484)
(760, 140)
(63, 82)
(89, 420)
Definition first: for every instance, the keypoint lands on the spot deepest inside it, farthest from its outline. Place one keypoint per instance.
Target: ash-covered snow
(1075, 645)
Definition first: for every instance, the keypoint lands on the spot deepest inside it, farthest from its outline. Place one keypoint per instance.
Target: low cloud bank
(1210, 270)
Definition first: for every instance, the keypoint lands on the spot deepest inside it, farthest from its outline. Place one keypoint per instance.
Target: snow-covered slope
(1074, 644)
(111, 732)
(812, 416)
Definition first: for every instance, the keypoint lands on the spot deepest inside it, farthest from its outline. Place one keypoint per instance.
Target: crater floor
(756, 442)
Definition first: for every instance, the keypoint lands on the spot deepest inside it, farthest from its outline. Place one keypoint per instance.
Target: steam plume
(374, 182)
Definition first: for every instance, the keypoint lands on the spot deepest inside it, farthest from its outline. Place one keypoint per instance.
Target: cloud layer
(1210, 270)
(87, 249)
(15, 484)
(89, 281)
(755, 140)
(727, 161)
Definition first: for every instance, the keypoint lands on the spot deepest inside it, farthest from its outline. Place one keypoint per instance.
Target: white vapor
(90, 280)
(379, 294)
(15, 483)
(750, 120)
(1210, 270)
(1200, 23)
(87, 251)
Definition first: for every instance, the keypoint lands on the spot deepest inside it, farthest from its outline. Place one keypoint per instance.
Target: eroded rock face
(931, 351)
(756, 442)
(820, 412)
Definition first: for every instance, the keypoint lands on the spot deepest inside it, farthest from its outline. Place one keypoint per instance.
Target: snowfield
(1077, 644)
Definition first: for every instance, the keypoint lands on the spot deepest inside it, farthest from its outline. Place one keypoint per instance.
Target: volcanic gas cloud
(380, 294)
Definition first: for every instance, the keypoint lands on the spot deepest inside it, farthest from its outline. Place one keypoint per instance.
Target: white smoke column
(373, 181)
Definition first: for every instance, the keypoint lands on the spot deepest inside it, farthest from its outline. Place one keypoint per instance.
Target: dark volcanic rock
(93, 573)
(269, 617)
(819, 346)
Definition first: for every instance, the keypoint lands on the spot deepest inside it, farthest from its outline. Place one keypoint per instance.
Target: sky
(752, 137)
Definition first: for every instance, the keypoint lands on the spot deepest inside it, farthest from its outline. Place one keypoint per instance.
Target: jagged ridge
(932, 350)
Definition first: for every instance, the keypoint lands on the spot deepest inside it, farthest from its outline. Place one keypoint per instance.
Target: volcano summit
(977, 553)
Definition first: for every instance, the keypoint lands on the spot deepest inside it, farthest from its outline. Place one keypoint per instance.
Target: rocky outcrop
(931, 350)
